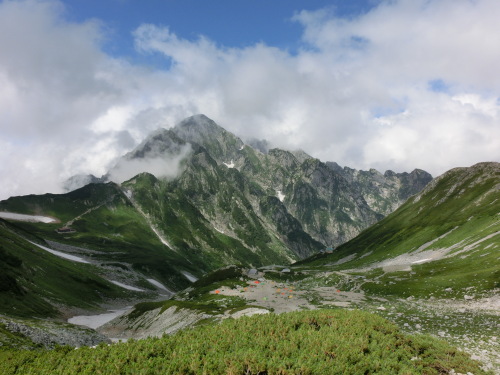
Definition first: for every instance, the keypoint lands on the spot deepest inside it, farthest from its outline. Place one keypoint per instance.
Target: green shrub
(307, 342)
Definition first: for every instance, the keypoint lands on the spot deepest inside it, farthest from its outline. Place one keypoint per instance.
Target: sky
(384, 84)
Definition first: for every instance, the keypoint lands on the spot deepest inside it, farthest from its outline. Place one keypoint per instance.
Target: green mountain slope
(331, 207)
(116, 242)
(33, 282)
(208, 201)
(443, 241)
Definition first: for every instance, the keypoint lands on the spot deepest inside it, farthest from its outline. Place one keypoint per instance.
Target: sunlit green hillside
(444, 241)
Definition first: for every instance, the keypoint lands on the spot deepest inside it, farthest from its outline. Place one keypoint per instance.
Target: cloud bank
(409, 84)
(161, 166)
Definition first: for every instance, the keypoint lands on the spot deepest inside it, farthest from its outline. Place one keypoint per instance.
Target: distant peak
(199, 120)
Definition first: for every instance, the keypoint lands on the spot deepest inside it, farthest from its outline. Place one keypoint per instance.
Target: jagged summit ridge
(230, 185)
(384, 192)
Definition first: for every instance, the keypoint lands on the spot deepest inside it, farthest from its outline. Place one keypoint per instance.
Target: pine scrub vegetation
(306, 342)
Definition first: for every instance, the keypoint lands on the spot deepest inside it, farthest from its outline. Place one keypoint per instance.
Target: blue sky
(231, 23)
(385, 84)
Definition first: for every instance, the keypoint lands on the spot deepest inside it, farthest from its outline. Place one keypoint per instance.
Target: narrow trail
(69, 223)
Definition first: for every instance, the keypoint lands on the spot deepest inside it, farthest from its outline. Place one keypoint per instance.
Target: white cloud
(359, 92)
(160, 166)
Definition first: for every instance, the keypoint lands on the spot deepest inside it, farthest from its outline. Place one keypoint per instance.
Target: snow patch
(230, 165)
(95, 321)
(189, 276)
(160, 237)
(128, 194)
(125, 286)
(30, 218)
(160, 285)
(404, 262)
(249, 312)
(421, 261)
(280, 195)
(365, 255)
(61, 254)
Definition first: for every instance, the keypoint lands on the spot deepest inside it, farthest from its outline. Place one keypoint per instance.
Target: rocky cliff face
(383, 192)
(316, 204)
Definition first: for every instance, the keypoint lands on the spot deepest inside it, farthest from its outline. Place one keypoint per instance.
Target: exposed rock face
(383, 192)
(152, 323)
(230, 183)
(455, 217)
(50, 334)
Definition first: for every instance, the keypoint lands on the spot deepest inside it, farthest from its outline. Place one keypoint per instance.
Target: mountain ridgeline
(217, 201)
(304, 203)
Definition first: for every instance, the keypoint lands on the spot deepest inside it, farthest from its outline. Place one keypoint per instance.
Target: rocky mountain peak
(198, 125)
(160, 142)
(221, 144)
(332, 204)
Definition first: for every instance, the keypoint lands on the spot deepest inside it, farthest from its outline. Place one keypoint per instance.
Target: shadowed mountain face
(193, 198)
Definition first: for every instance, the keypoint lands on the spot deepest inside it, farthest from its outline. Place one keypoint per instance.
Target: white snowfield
(95, 321)
(160, 285)
(125, 286)
(230, 165)
(190, 277)
(61, 254)
(30, 218)
(281, 196)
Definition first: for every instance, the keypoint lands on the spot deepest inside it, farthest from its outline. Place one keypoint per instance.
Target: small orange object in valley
(338, 291)
(217, 291)
(257, 282)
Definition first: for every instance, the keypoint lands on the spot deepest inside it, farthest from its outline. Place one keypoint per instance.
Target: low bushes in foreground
(306, 342)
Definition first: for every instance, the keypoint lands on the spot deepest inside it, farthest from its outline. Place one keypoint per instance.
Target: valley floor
(472, 325)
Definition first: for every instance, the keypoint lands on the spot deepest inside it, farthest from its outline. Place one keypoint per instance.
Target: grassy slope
(313, 342)
(33, 280)
(462, 208)
(108, 223)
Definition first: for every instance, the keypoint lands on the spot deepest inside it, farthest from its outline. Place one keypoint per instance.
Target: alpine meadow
(254, 187)
(291, 265)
